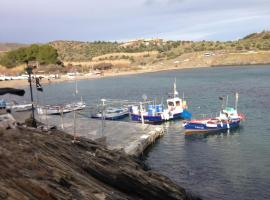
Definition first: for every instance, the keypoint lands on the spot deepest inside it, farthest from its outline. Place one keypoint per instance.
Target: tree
(45, 54)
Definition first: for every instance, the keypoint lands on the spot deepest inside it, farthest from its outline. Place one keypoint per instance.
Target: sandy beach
(23, 83)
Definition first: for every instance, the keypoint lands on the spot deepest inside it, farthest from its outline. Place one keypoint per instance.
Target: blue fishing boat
(176, 109)
(228, 118)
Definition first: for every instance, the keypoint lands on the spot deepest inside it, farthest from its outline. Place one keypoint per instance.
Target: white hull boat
(60, 109)
(112, 114)
(19, 107)
(52, 110)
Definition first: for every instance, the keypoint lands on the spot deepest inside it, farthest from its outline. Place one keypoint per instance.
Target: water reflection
(218, 134)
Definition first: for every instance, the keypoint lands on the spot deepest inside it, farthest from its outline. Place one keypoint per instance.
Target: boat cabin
(174, 103)
(228, 112)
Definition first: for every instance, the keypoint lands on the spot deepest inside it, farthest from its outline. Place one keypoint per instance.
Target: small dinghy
(52, 110)
(228, 118)
(76, 106)
(111, 113)
(15, 107)
(60, 109)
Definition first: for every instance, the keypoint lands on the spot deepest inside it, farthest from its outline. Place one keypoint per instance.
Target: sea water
(232, 165)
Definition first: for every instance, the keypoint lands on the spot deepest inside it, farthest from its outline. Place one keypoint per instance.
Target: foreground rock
(36, 165)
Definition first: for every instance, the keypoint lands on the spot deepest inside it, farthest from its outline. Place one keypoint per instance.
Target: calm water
(232, 165)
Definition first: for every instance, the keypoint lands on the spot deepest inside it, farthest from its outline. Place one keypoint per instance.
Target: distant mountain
(265, 35)
(82, 51)
(11, 46)
(149, 52)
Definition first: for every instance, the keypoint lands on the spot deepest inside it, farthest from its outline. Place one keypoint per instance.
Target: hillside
(158, 54)
(155, 54)
(82, 51)
(10, 46)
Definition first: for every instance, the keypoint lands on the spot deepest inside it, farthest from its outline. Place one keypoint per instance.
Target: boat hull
(20, 108)
(112, 117)
(51, 111)
(154, 119)
(191, 128)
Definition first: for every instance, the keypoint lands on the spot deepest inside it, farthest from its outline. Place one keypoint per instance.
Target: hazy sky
(29, 21)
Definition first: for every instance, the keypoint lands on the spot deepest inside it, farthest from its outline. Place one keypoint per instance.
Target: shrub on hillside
(44, 54)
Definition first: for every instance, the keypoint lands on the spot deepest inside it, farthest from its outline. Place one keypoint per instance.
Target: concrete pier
(133, 138)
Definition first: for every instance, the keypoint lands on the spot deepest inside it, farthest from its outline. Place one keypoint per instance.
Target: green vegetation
(167, 50)
(44, 54)
(78, 51)
(85, 51)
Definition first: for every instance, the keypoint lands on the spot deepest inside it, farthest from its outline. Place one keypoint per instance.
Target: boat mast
(236, 100)
(175, 93)
(76, 85)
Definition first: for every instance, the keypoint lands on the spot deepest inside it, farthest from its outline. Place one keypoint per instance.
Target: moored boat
(176, 109)
(15, 107)
(76, 106)
(52, 110)
(228, 118)
(60, 109)
(111, 113)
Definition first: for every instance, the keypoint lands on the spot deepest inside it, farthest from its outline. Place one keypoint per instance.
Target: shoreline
(24, 83)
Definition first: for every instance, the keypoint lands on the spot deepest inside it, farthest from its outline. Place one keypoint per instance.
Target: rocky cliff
(40, 165)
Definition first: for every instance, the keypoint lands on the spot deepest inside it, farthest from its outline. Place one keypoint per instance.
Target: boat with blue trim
(228, 119)
(156, 113)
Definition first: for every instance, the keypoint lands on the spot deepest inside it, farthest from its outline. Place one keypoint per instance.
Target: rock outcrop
(47, 166)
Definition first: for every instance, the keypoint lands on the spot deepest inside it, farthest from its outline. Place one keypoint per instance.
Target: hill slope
(158, 54)
(83, 51)
(10, 46)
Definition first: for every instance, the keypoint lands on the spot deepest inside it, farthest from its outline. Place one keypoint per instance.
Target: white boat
(19, 107)
(76, 106)
(112, 113)
(152, 113)
(60, 109)
(52, 110)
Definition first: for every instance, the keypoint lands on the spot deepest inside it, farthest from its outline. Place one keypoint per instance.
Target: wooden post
(62, 118)
(46, 116)
(103, 117)
(74, 126)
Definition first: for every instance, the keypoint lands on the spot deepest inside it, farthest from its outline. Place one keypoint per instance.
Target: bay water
(232, 165)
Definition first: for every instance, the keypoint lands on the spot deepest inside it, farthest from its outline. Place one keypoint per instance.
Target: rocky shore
(48, 165)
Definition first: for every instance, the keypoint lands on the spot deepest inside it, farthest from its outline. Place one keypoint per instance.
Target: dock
(133, 138)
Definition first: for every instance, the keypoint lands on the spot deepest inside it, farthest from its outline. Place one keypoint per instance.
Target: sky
(40, 21)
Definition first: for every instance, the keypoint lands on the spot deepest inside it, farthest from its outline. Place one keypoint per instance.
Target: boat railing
(204, 115)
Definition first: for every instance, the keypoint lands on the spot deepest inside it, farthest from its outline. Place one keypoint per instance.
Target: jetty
(132, 138)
